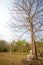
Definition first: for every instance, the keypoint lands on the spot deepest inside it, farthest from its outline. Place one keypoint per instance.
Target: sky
(5, 33)
(4, 17)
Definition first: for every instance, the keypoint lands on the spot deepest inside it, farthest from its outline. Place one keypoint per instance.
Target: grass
(15, 59)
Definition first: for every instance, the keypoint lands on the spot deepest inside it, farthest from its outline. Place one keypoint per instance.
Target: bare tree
(29, 15)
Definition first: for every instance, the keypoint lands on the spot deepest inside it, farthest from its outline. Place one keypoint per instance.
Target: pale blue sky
(5, 32)
(4, 17)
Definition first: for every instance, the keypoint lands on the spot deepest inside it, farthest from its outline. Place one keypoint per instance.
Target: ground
(17, 59)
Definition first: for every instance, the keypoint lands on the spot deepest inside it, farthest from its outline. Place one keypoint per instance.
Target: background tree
(20, 46)
(4, 47)
(28, 15)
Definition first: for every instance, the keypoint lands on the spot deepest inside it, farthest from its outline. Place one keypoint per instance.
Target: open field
(16, 59)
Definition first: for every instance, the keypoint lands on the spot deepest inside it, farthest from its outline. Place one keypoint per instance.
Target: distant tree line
(20, 47)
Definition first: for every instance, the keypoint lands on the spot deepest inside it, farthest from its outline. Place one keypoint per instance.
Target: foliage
(39, 46)
(4, 47)
(20, 46)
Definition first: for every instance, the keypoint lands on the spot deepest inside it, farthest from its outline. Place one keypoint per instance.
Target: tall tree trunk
(33, 45)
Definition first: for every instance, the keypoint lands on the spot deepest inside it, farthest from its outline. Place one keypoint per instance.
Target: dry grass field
(17, 59)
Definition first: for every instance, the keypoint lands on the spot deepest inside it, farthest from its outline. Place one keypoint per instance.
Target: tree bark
(33, 45)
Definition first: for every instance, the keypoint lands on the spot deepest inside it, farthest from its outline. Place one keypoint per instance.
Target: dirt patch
(32, 62)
